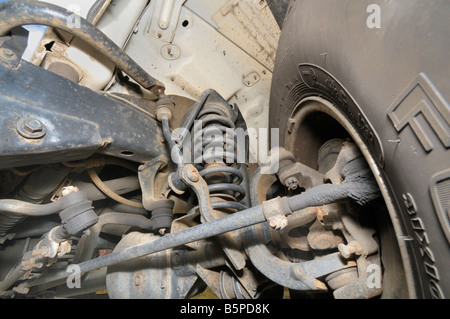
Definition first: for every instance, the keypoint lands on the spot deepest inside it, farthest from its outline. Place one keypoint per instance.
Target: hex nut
(348, 250)
(291, 183)
(31, 128)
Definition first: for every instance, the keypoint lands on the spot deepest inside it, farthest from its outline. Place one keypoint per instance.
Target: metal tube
(18, 207)
(38, 185)
(177, 158)
(166, 14)
(187, 124)
(94, 11)
(11, 278)
(119, 186)
(359, 186)
(317, 196)
(91, 283)
(88, 243)
(22, 208)
(110, 193)
(24, 12)
(236, 221)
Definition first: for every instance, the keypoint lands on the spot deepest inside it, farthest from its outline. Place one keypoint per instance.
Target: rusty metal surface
(208, 214)
(78, 122)
(167, 274)
(297, 276)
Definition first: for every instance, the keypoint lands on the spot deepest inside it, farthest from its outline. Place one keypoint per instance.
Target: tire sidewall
(425, 249)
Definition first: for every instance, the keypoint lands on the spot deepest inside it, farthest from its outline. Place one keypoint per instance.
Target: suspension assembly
(217, 188)
(231, 230)
(214, 145)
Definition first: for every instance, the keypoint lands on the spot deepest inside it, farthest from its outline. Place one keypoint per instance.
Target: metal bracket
(192, 178)
(165, 18)
(297, 276)
(90, 123)
(275, 211)
(147, 176)
(12, 47)
(8, 57)
(294, 174)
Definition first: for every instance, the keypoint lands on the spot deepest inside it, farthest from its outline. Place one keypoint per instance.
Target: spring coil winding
(215, 156)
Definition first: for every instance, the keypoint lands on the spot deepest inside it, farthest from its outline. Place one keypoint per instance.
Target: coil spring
(215, 157)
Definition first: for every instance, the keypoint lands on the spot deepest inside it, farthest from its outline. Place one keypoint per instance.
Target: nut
(278, 221)
(348, 250)
(7, 55)
(163, 112)
(69, 190)
(164, 107)
(31, 128)
(291, 183)
(8, 52)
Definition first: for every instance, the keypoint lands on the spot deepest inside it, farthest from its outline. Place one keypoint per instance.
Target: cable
(108, 192)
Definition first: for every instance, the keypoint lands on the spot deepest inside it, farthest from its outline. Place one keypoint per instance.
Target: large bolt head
(31, 128)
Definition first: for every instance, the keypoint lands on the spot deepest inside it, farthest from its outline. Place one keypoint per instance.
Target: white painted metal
(164, 18)
(190, 46)
(117, 22)
(208, 52)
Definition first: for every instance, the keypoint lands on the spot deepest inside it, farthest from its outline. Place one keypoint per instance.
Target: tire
(338, 76)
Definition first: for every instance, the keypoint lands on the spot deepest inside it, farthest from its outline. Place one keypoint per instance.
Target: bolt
(348, 250)
(278, 221)
(8, 52)
(291, 183)
(33, 126)
(69, 190)
(193, 175)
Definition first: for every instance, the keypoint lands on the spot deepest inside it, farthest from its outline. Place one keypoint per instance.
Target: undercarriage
(121, 182)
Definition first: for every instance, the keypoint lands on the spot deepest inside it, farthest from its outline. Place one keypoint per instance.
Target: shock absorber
(216, 140)
(218, 154)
